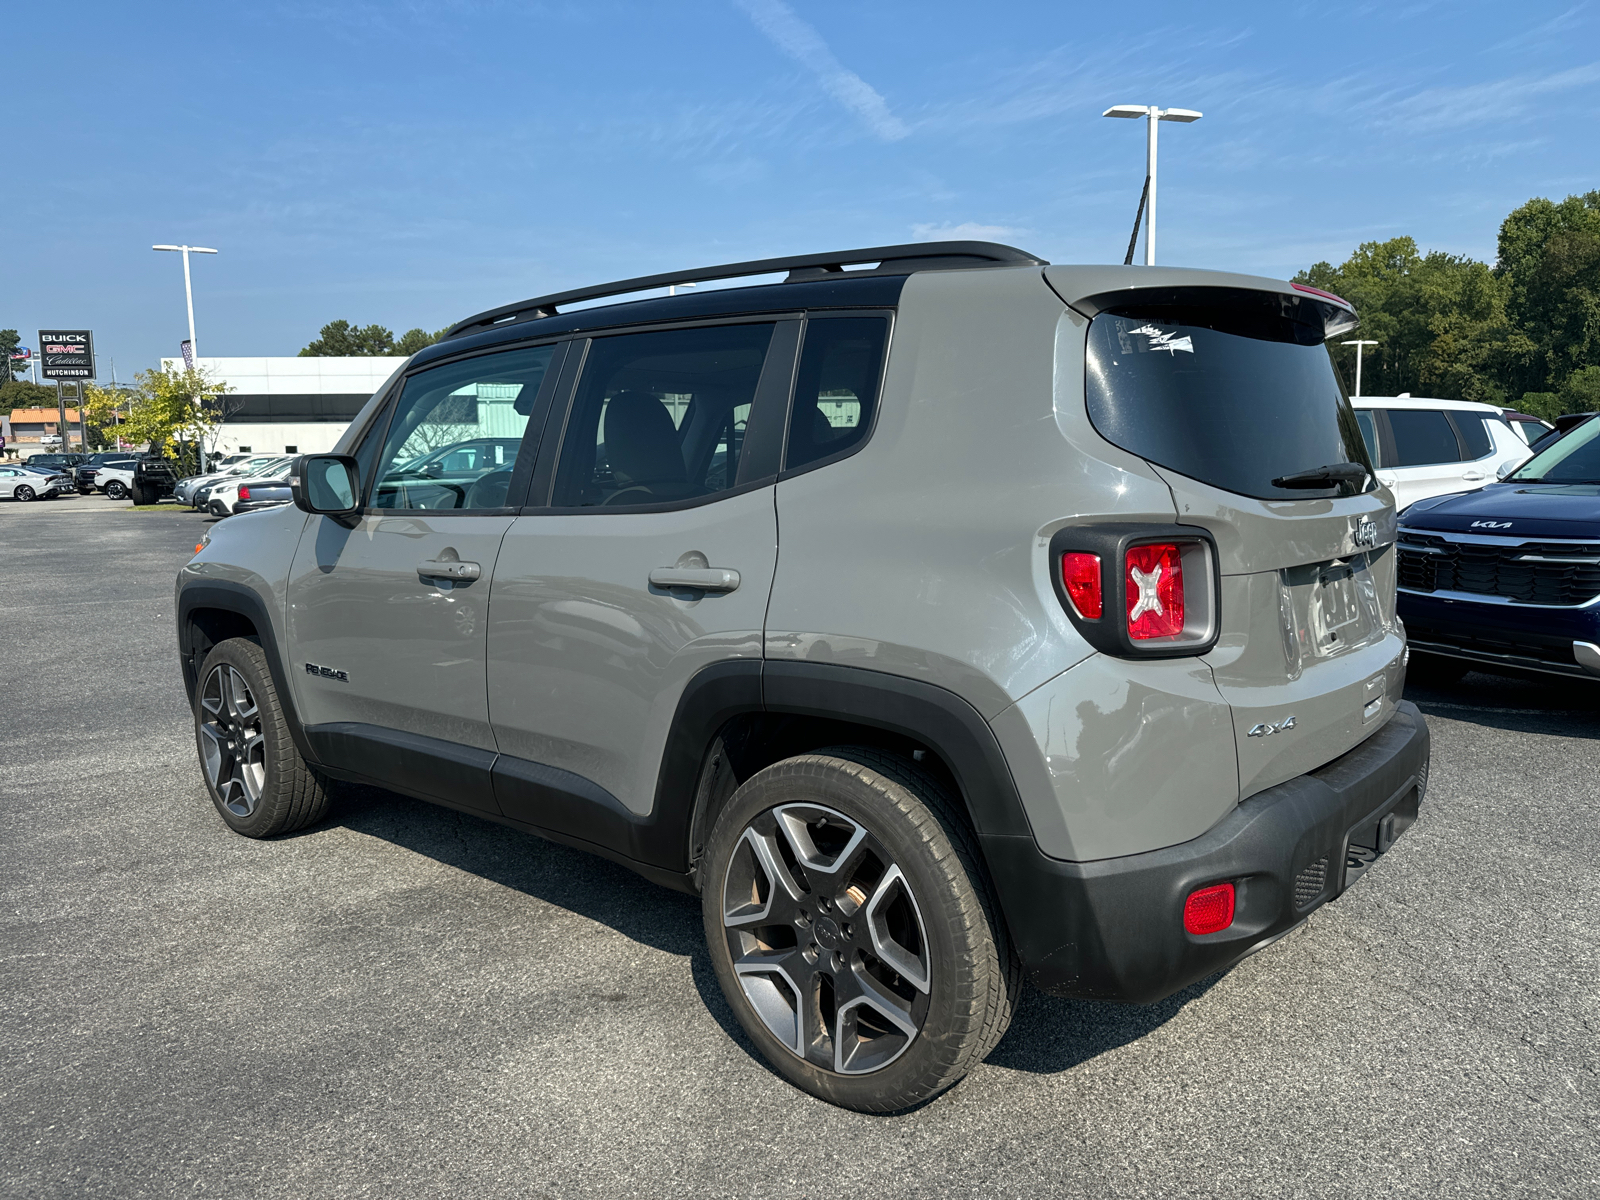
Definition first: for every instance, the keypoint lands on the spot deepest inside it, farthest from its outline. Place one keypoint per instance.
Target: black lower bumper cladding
(1113, 929)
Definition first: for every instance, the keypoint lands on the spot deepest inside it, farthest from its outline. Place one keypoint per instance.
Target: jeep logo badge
(1364, 533)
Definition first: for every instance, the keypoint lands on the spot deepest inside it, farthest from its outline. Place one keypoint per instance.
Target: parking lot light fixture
(1361, 348)
(188, 289)
(1152, 113)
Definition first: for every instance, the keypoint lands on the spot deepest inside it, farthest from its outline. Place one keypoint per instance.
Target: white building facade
(290, 405)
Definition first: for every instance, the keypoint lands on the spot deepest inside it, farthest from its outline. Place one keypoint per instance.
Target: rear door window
(660, 417)
(1233, 394)
(836, 387)
(1422, 438)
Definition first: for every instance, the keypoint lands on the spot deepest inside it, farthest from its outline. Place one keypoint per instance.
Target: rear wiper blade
(1321, 477)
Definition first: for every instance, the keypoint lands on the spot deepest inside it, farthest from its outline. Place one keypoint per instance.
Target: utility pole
(1360, 349)
(1151, 113)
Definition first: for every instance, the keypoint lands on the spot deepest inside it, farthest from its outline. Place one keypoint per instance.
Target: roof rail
(889, 260)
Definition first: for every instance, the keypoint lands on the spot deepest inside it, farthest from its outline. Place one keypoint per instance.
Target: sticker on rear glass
(1170, 342)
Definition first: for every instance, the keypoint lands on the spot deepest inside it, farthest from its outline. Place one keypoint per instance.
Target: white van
(1428, 448)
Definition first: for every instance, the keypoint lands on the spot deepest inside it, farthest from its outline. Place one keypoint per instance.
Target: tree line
(1523, 333)
(342, 339)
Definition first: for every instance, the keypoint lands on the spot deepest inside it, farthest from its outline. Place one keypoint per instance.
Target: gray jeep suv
(945, 622)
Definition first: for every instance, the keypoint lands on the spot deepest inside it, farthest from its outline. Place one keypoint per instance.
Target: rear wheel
(117, 490)
(142, 493)
(257, 779)
(24, 492)
(851, 927)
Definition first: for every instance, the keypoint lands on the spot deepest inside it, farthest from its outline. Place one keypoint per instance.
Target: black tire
(240, 753)
(960, 1006)
(1435, 670)
(216, 509)
(24, 493)
(85, 491)
(142, 494)
(117, 490)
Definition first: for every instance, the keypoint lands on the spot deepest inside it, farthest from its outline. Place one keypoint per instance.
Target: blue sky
(410, 163)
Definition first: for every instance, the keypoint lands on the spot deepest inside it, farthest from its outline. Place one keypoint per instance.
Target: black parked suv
(65, 463)
(153, 480)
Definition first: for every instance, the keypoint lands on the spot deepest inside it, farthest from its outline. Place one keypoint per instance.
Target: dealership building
(290, 405)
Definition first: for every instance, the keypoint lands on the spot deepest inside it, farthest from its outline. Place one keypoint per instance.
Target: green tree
(1439, 320)
(102, 412)
(19, 393)
(341, 339)
(1549, 259)
(413, 340)
(10, 339)
(176, 411)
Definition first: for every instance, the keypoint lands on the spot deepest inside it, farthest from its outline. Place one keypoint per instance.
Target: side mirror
(329, 484)
(1506, 468)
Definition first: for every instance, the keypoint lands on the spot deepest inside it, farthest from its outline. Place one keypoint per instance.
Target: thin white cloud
(1484, 103)
(804, 44)
(964, 232)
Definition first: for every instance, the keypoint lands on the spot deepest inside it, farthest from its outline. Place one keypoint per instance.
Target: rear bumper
(1113, 929)
(1525, 637)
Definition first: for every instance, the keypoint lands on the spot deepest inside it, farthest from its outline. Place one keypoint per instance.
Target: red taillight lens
(1154, 579)
(1209, 910)
(244, 493)
(1080, 576)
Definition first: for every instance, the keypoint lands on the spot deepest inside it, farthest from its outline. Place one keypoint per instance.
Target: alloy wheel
(826, 937)
(23, 493)
(232, 745)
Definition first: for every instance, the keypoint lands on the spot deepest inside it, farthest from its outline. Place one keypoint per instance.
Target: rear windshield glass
(1234, 396)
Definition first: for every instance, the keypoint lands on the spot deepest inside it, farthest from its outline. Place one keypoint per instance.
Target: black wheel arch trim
(228, 596)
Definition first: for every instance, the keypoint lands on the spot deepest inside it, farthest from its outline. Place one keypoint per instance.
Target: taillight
(244, 493)
(1153, 574)
(1080, 576)
(1209, 910)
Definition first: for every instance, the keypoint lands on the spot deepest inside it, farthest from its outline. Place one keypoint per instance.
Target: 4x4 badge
(1267, 728)
(1365, 533)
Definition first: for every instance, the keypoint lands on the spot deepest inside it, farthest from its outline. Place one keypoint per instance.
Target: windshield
(1573, 459)
(1234, 393)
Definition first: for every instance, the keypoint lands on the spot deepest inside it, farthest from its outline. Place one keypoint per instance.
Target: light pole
(1360, 350)
(1151, 113)
(188, 289)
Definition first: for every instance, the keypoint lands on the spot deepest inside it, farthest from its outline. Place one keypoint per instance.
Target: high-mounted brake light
(1301, 287)
(1153, 575)
(1209, 910)
(1080, 576)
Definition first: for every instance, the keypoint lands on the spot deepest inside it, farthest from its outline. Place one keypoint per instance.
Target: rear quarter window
(1422, 438)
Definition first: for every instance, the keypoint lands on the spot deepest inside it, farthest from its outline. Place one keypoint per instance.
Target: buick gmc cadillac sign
(66, 353)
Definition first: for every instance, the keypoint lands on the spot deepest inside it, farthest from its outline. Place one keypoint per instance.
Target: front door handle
(705, 579)
(438, 568)
(1474, 476)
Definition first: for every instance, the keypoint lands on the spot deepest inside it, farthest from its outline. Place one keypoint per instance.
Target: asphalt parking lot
(406, 1000)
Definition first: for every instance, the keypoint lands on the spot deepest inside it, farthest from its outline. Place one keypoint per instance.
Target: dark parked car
(265, 493)
(1565, 424)
(58, 462)
(153, 480)
(1509, 575)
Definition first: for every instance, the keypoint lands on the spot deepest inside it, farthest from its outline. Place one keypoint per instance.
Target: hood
(1560, 510)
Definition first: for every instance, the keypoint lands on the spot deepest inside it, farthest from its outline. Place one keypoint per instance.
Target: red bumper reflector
(1209, 910)
(1080, 575)
(1153, 575)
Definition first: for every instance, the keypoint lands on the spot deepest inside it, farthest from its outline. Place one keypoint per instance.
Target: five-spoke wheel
(851, 928)
(232, 748)
(253, 772)
(826, 938)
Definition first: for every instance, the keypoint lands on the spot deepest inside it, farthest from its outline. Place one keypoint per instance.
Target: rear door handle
(705, 579)
(437, 568)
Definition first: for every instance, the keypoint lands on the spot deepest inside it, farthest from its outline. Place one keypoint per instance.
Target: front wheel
(255, 776)
(117, 490)
(851, 927)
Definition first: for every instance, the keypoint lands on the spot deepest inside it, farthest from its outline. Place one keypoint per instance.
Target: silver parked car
(946, 623)
(28, 483)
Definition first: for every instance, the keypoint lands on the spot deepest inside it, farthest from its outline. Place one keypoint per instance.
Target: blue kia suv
(1509, 575)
